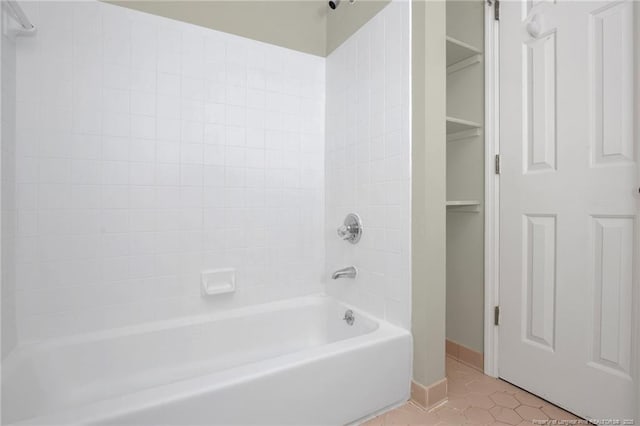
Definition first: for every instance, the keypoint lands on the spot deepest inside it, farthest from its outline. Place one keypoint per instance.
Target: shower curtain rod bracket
(26, 27)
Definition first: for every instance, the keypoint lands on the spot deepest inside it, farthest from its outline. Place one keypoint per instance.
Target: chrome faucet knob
(351, 230)
(343, 232)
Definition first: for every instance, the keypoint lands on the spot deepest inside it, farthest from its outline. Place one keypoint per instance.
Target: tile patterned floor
(476, 399)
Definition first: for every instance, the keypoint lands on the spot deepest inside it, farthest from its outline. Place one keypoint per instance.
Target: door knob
(534, 26)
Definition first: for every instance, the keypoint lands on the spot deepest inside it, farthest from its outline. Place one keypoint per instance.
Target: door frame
(636, 29)
(492, 196)
(492, 187)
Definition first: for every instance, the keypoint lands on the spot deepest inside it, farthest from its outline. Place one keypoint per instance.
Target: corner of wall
(431, 396)
(428, 190)
(343, 22)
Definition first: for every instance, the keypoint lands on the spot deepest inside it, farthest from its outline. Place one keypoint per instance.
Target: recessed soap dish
(218, 281)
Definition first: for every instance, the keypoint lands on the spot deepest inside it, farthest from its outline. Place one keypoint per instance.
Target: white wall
(7, 166)
(367, 165)
(149, 150)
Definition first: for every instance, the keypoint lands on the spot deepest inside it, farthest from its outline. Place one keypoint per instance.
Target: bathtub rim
(190, 320)
(182, 389)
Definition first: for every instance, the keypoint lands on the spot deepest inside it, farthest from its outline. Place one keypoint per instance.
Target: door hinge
(496, 315)
(497, 164)
(496, 10)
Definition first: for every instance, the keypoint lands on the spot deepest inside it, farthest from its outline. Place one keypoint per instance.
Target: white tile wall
(149, 150)
(8, 195)
(368, 165)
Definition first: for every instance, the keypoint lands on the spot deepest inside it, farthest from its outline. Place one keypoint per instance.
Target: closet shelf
(472, 206)
(462, 203)
(456, 125)
(462, 135)
(458, 51)
(465, 63)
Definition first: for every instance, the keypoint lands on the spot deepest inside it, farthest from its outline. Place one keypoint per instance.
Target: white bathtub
(291, 362)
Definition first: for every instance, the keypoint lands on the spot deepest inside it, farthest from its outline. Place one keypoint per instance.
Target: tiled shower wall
(8, 166)
(149, 150)
(368, 163)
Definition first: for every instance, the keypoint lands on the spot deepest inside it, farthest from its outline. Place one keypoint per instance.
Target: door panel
(611, 69)
(568, 203)
(539, 267)
(539, 104)
(612, 249)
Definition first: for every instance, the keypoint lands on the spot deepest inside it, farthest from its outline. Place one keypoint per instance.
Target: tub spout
(348, 272)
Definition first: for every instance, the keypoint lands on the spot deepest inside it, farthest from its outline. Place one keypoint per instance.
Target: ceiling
(305, 25)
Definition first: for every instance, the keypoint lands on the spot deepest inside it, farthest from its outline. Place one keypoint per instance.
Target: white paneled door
(569, 203)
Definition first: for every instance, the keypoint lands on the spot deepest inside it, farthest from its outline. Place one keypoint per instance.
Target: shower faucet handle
(351, 230)
(344, 232)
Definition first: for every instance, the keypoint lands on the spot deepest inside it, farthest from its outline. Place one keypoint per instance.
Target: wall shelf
(465, 63)
(458, 51)
(464, 134)
(469, 206)
(463, 203)
(456, 125)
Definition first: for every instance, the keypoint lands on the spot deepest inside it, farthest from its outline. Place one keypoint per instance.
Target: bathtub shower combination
(170, 201)
(290, 362)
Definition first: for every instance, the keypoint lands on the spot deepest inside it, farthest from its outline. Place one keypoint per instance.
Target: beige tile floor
(476, 399)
